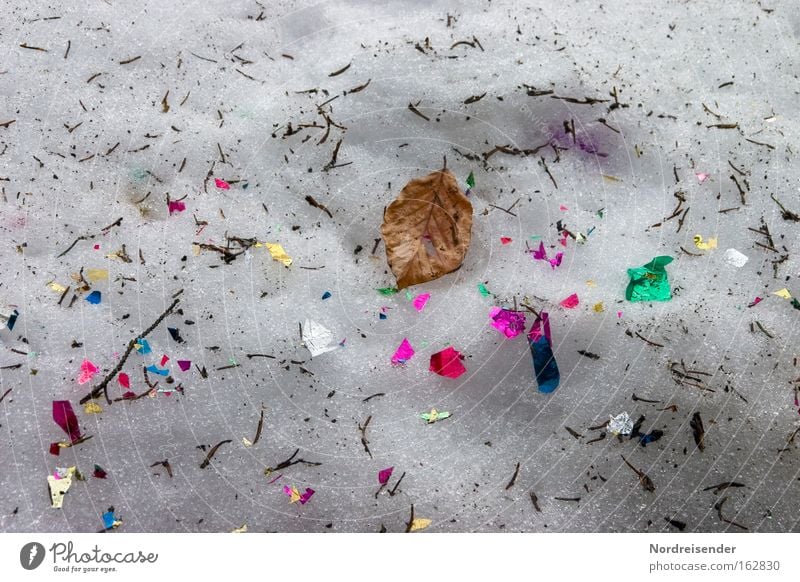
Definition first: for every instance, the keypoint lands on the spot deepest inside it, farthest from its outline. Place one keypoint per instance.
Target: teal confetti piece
(483, 290)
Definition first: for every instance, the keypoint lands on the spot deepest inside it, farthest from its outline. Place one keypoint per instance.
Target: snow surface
(234, 74)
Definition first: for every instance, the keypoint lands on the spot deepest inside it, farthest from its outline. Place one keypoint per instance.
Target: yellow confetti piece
(295, 495)
(599, 308)
(704, 246)
(95, 275)
(57, 287)
(420, 523)
(246, 442)
(92, 408)
(242, 529)
(610, 178)
(59, 487)
(783, 293)
(591, 283)
(196, 250)
(278, 253)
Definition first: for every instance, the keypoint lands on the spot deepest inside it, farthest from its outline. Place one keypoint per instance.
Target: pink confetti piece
(275, 479)
(184, 365)
(176, 206)
(619, 314)
(509, 323)
(306, 496)
(447, 363)
(124, 380)
(540, 254)
(404, 353)
(164, 360)
(64, 416)
(222, 184)
(702, 176)
(563, 208)
(420, 301)
(88, 370)
(97, 247)
(563, 241)
(505, 240)
(55, 449)
(570, 302)
(756, 301)
(383, 476)
(555, 262)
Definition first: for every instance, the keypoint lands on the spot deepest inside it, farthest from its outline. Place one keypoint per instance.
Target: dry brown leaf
(427, 229)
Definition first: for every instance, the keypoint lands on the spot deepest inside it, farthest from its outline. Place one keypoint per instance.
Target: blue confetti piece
(12, 319)
(544, 362)
(326, 295)
(94, 297)
(382, 315)
(144, 346)
(652, 437)
(155, 370)
(108, 519)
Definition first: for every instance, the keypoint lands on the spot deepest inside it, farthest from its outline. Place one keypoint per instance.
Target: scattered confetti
(59, 485)
(570, 302)
(471, 180)
(783, 293)
(509, 323)
(278, 254)
(735, 258)
(94, 297)
(544, 362)
(317, 338)
(95, 275)
(384, 475)
(420, 523)
(649, 282)
(92, 408)
(704, 245)
(295, 495)
(622, 424)
(434, 415)
(447, 363)
(420, 301)
(88, 371)
(403, 353)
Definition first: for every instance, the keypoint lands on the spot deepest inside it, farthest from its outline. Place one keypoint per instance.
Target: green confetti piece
(387, 290)
(649, 282)
(409, 296)
(483, 290)
(535, 237)
(795, 303)
(139, 174)
(471, 180)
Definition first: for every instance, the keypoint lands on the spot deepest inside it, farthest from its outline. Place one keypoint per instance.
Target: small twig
(718, 506)
(645, 481)
(212, 452)
(513, 478)
(363, 430)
